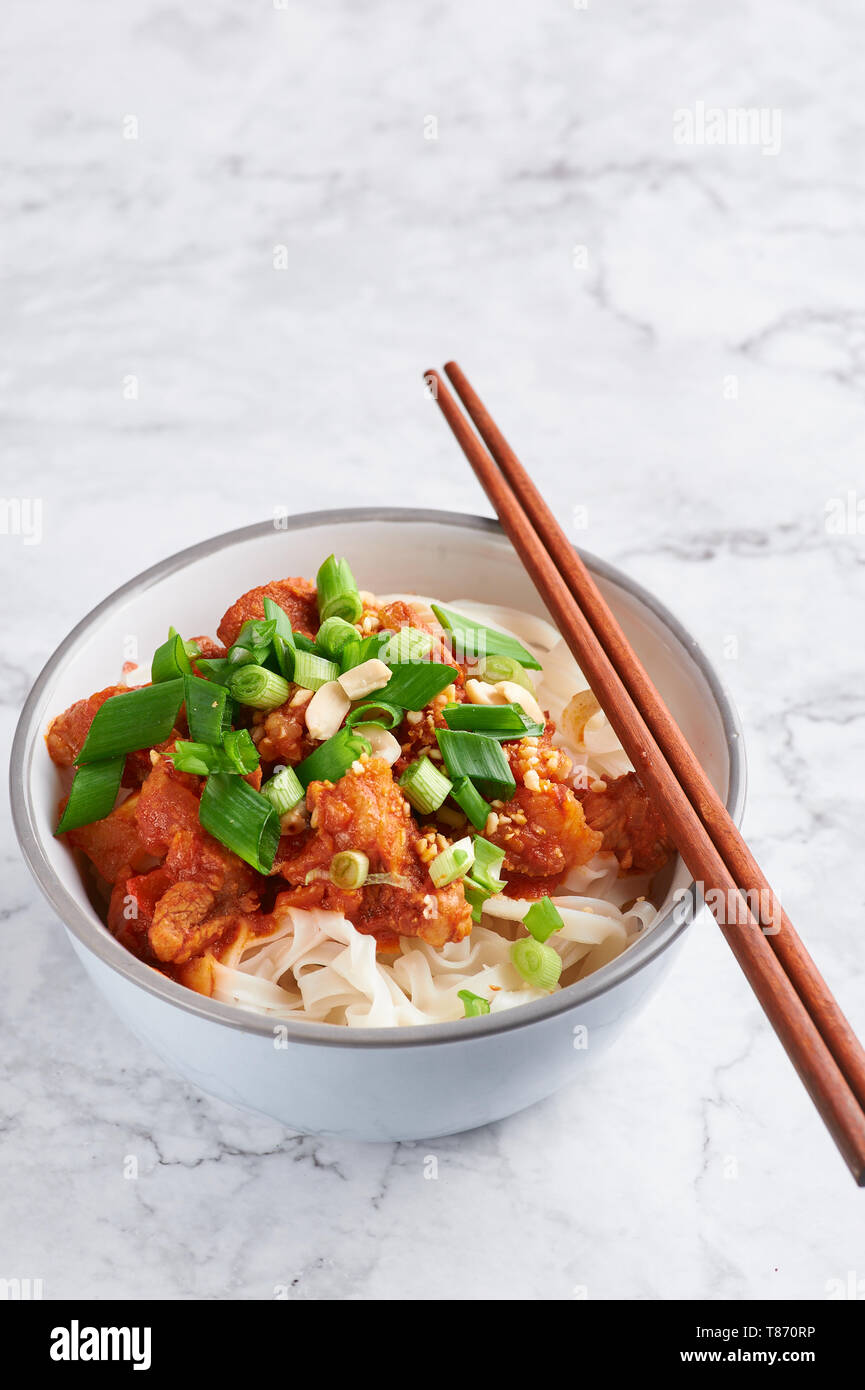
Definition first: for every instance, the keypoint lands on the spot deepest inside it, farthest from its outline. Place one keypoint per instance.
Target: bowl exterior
(382, 1084)
(381, 1093)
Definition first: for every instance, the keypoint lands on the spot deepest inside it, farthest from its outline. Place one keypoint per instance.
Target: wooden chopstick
(797, 1030)
(784, 940)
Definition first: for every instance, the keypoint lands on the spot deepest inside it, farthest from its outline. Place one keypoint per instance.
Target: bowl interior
(439, 554)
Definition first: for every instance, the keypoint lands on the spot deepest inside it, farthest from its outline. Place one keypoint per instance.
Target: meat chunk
(185, 924)
(631, 825)
(167, 804)
(363, 811)
(113, 843)
(543, 832)
(66, 733)
(366, 811)
(295, 596)
(281, 734)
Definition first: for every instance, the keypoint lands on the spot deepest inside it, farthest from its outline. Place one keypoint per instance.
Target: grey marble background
(673, 335)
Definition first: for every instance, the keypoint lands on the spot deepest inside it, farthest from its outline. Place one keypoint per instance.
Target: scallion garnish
(241, 751)
(135, 719)
(482, 642)
(475, 896)
(312, 672)
(337, 595)
(539, 965)
(356, 652)
(542, 919)
(334, 635)
(469, 799)
(408, 644)
(503, 668)
(413, 685)
(217, 669)
(474, 1004)
(424, 787)
(502, 722)
(259, 688)
(237, 754)
(171, 660)
(200, 758)
(374, 712)
(333, 758)
(208, 709)
(453, 863)
(254, 643)
(241, 819)
(283, 791)
(94, 792)
(349, 869)
(487, 866)
(477, 757)
(284, 645)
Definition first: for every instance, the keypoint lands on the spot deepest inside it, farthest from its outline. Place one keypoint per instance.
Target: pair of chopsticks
(797, 1001)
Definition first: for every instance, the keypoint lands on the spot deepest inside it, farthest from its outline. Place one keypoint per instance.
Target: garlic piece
(381, 741)
(326, 710)
(518, 695)
(364, 679)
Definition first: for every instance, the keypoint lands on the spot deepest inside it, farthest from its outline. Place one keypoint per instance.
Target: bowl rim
(99, 942)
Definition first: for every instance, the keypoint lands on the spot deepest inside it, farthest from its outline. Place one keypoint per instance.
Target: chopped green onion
(135, 719)
(241, 751)
(254, 643)
(361, 649)
(333, 758)
(414, 684)
(284, 644)
(542, 919)
(94, 792)
(469, 799)
(408, 644)
(479, 641)
(208, 709)
(241, 819)
(476, 896)
(477, 757)
(312, 672)
(238, 754)
(502, 722)
(474, 1004)
(259, 688)
(200, 758)
(217, 669)
(487, 866)
(171, 660)
(306, 644)
(539, 965)
(283, 791)
(504, 668)
(453, 863)
(349, 869)
(338, 595)
(334, 635)
(424, 786)
(389, 716)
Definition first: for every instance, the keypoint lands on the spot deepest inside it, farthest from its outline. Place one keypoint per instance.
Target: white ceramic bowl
(377, 1084)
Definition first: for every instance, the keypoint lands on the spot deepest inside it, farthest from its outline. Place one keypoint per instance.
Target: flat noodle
(317, 966)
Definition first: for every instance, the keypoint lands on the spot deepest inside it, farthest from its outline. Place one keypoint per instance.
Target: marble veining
(235, 236)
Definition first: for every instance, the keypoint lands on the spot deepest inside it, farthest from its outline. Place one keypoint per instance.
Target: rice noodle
(318, 967)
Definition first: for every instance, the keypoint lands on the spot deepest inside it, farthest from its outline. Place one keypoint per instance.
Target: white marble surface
(692, 1163)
